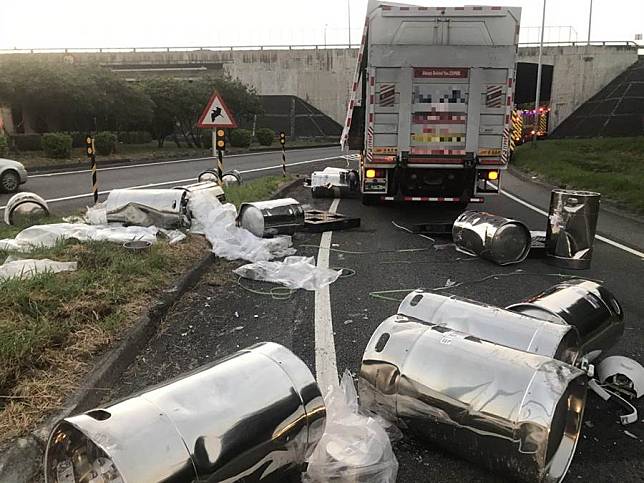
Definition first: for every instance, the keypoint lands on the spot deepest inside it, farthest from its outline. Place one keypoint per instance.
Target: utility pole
(590, 20)
(538, 93)
(349, 19)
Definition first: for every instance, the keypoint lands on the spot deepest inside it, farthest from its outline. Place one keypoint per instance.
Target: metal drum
(501, 240)
(209, 186)
(23, 206)
(494, 324)
(253, 416)
(572, 221)
(272, 217)
(165, 208)
(584, 304)
(510, 411)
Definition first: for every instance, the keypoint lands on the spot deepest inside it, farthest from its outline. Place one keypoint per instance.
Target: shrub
(240, 138)
(27, 142)
(134, 137)
(78, 139)
(206, 139)
(265, 136)
(57, 145)
(105, 143)
(4, 146)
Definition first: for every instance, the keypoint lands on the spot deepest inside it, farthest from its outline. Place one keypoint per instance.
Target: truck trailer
(430, 105)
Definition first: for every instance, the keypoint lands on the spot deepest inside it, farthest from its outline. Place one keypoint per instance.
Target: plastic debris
(48, 235)
(623, 375)
(294, 272)
(19, 268)
(354, 447)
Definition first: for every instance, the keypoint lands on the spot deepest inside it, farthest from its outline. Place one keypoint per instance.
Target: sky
(160, 23)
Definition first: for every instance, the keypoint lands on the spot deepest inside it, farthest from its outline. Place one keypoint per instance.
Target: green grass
(612, 166)
(255, 190)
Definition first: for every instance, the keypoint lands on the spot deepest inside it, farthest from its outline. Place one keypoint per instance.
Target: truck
(430, 105)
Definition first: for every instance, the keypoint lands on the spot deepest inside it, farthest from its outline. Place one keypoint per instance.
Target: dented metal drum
(253, 416)
(23, 206)
(494, 324)
(510, 411)
(586, 305)
(272, 217)
(572, 221)
(501, 240)
(165, 208)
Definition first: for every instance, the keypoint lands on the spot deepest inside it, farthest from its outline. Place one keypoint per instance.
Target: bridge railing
(220, 48)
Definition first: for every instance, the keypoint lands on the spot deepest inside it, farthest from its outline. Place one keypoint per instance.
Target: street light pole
(349, 19)
(590, 19)
(538, 93)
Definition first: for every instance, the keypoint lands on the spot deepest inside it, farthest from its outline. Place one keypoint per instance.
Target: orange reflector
(492, 175)
(371, 173)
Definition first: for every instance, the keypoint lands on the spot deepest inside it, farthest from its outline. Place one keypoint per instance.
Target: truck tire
(9, 181)
(370, 200)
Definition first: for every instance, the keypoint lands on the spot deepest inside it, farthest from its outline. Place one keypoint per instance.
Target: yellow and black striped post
(91, 153)
(283, 143)
(220, 146)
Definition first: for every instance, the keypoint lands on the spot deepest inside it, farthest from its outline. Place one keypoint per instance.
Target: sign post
(218, 117)
(283, 143)
(91, 153)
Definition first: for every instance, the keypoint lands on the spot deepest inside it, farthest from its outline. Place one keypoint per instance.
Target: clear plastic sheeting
(48, 235)
(18, 268)
(354, 448)
(217, 223)
(293, 272)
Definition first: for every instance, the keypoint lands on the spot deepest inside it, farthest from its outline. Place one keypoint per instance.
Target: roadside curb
(22, 461)
(127, 161)
(607, 205)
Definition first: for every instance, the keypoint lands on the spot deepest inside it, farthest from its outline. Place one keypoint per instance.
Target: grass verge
(612, 166)
(53, 325)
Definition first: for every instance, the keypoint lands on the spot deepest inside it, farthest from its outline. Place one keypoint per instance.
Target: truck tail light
(492, 175)
(375, 173)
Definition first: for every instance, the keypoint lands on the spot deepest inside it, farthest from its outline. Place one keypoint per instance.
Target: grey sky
(141, 23)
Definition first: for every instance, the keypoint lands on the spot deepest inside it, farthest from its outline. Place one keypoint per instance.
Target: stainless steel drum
(572, 221)
(253, 416)
(165, 208)
(24, 206)
(494, 324)
(272, 217)
(501, 240)
(586, 305)
(510, 411)
(213, 187)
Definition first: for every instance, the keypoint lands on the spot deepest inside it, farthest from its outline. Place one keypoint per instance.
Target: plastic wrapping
(165, 208)
(49, 235)
(354, 448)
(26, 268)
(293, 272)
(217, 223)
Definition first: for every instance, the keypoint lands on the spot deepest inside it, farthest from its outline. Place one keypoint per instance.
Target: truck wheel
(370, 200)
(9, 181)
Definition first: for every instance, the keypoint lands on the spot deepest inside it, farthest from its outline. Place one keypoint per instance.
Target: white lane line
(326, 368)
(160, 163)
(599, 237)
(177, 181)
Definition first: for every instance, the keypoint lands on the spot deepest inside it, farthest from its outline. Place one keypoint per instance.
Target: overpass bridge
(321, 75)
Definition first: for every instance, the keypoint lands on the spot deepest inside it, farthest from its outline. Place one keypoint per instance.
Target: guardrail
(62, 50)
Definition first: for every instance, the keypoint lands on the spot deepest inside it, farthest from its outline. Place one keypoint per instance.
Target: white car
(12, 175)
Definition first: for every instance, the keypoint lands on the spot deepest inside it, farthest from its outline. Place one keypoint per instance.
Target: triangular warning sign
(216, 114)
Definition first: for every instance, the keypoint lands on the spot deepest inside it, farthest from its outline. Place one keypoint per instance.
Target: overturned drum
(255, 415)
(501, 240)
(494, 324)
(272, 217)
(511, 411)
(586, 305)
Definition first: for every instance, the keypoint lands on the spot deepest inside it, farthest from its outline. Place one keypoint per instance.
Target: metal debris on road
(187, 431)
(511, 411)
(623, 375)
(23, 206)
(354, 447)
(334, 183)
(501, 240)
(272, 217)
(572, 221)
(317, 221)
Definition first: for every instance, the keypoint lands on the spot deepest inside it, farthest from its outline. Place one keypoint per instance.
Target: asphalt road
(68, 190)
(221, 316)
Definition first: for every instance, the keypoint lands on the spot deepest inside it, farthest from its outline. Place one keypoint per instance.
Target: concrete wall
(323, 77)
(579, 72)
